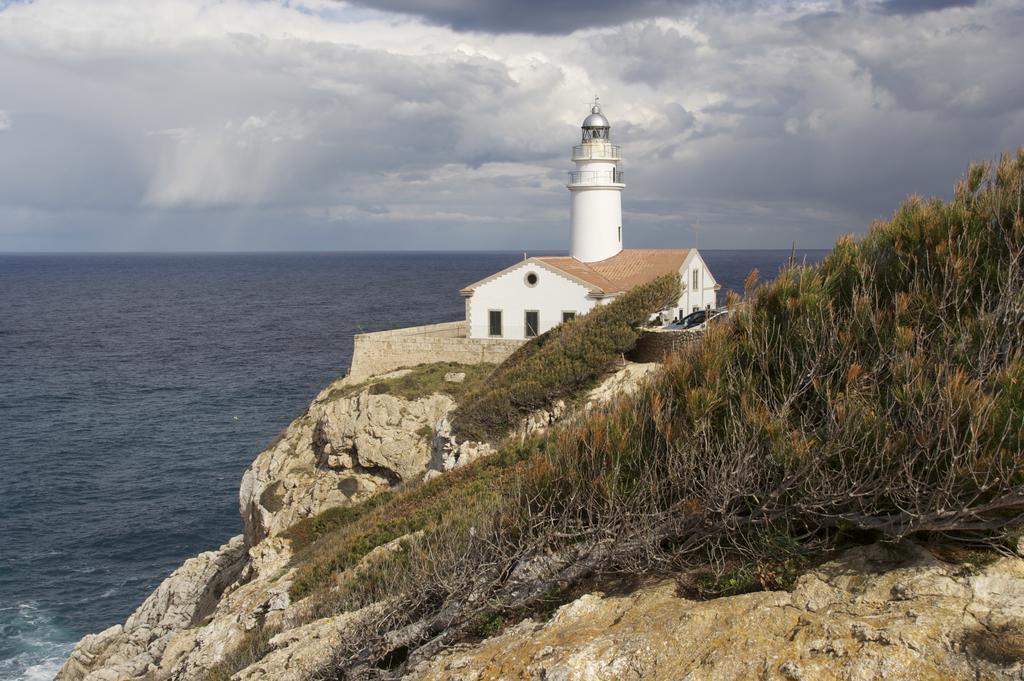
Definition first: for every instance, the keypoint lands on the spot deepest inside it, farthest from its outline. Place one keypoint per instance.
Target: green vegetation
(559, 363)
(879, 395)
(420, 381)
(427, 379)
(338, 538)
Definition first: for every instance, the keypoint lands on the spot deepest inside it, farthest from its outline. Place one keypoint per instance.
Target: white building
(534, 295)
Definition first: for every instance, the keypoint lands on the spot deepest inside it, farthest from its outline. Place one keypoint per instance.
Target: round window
(531, 279)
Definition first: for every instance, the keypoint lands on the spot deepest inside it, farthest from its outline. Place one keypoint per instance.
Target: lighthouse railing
(596, 177)
(582, 152)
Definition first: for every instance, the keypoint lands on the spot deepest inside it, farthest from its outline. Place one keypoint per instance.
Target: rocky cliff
(348, 445)
(874, 613)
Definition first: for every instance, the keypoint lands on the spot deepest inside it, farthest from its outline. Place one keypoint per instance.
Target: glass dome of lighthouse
(595, 126)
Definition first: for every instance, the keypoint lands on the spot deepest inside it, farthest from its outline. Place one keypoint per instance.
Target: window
(532, 322)
(696, 280)
(531, 278)
(494, 322)
(568, 316)
(620, 234)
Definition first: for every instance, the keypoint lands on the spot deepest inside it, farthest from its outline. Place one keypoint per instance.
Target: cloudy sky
(447, 124)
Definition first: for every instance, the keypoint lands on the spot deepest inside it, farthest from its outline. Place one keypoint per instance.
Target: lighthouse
(596, 187)
(540, 292)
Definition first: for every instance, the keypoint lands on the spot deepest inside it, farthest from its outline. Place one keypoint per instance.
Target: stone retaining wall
(374, 353)
(654, 346)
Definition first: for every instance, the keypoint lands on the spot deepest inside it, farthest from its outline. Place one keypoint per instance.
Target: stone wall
(374, 353)
(654, 346)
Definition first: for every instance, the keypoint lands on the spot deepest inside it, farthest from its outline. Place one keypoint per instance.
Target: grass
(878, 395)
(337, 539)
(427, 379)
(420, 381)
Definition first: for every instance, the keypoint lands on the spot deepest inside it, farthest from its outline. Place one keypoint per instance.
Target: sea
(135, 390)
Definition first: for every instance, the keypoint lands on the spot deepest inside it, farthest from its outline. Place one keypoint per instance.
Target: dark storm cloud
(232, 124)
(528, 16)
(920, 6)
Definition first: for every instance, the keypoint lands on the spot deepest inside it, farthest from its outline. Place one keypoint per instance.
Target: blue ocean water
(135, 390)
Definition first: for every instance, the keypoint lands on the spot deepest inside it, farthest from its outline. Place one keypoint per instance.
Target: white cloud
(802, 120)
(5, 121)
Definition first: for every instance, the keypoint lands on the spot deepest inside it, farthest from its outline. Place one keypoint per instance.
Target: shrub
(561, 362)
(879, 392)
(337, 539)
(877, 395)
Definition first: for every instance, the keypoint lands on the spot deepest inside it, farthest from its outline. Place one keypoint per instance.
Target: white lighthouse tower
(596, 186)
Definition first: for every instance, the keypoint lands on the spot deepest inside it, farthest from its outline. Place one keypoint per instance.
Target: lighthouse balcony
(596, 177)
(597, 151)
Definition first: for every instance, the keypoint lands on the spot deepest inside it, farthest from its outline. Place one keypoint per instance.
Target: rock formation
(876, 613)
(349, 444)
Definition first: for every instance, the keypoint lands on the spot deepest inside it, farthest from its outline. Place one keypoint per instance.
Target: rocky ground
(873, 614)
(878, 612)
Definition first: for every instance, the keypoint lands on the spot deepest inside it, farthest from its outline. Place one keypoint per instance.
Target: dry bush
(879, 394)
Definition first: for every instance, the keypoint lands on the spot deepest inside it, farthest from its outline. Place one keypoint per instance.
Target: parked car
(691, 320)
(710, 317)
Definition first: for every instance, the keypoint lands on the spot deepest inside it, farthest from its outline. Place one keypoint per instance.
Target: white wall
(704, 295)
(553, 294)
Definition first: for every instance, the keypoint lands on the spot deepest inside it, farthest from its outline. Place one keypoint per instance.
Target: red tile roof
(621, 272)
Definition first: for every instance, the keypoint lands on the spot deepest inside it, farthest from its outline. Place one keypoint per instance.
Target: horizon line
(356, 251)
